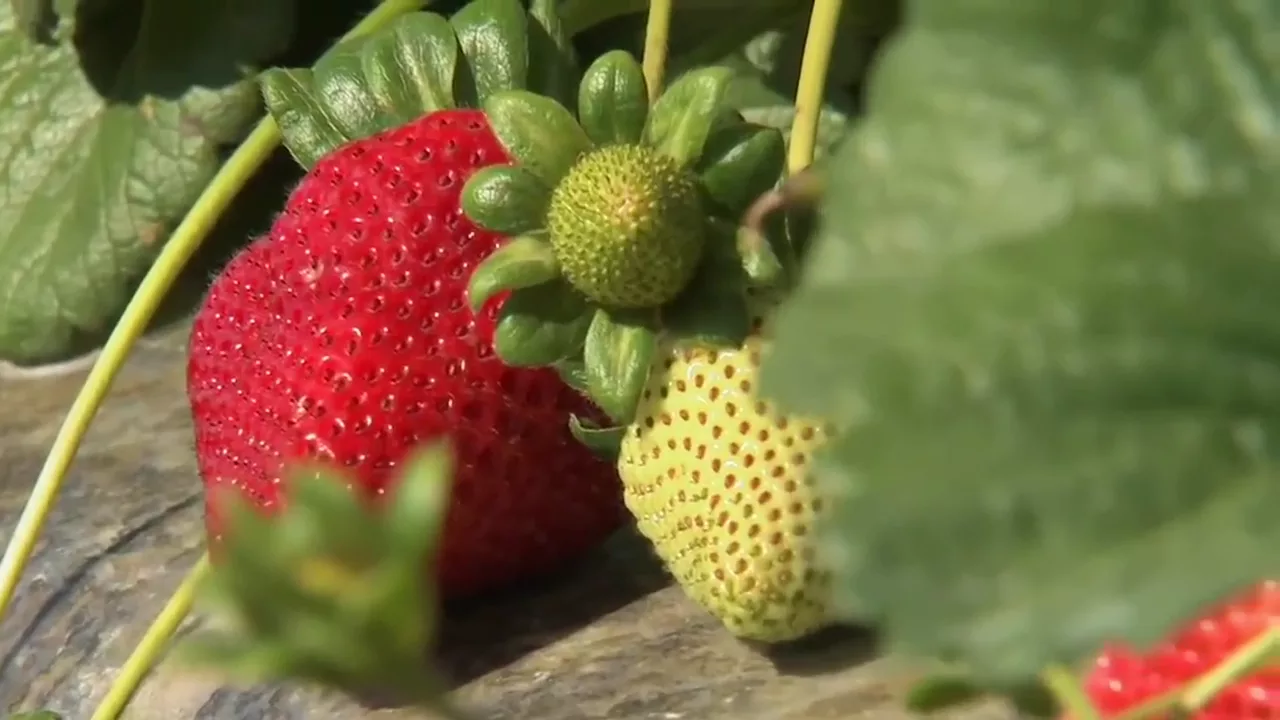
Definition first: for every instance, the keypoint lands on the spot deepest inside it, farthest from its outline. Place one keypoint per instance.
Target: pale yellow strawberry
(720, 483)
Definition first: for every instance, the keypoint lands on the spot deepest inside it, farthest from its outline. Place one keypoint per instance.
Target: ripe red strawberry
(344, 335)
(1123, 679)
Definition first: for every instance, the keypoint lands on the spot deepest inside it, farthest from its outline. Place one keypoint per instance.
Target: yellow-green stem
(242, 165)
(812, 87)
(1062, 682)
(1242, 662)
(152, 646)
(657, 35)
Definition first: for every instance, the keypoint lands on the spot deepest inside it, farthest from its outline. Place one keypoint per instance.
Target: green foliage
(728, 162)
(332, 590)
(421, 63)
(1039, 307)
(111, 129)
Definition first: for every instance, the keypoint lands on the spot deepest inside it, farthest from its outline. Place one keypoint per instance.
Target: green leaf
(411, 67)
(617, 355)
(421, 500)
(1042, 301)
(330, 590)
(613, 101)
(506, 199)
(574, 373)
(494, 36)
(364, 86)
(682, 118)
(603, 442)
(538, 132)
(109, 135)
(541, 325)
(307, 129)
(741, 163)
(712, 310)
(36, 715)
(553, 62)
(522, 262)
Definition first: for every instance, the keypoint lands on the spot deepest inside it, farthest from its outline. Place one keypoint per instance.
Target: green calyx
(624, 216)
(334, 589)
(626, 224)
(420, 63)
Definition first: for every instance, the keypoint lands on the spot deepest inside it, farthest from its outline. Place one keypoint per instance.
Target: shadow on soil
(495, 632)
(828, 651)
(484, 635)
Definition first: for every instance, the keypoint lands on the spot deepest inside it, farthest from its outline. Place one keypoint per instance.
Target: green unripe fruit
(626, 224)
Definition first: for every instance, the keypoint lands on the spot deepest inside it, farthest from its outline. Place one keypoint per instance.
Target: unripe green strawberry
(626, 226)
(719, 482)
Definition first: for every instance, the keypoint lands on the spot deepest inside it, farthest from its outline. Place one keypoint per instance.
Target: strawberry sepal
(331, 589)
(540, 134)
(741, 162)
(541, 325)
(613, 100)
(506, 199)
(641, 218)
(617, 353)
(605, 442)
(682, 118)
(522, 262)
(420, 63)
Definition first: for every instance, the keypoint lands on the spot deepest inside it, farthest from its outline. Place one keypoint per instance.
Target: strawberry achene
(1123, 678)
(343, 335)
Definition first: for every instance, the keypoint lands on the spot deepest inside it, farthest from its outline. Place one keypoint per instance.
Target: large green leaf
(107, 136)
(1043, 304)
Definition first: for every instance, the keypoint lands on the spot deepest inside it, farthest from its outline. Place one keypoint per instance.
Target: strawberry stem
(812, 88)
(186, 239)
(153, 644)
(657, 35)
(1067, 690)
(1248, 658)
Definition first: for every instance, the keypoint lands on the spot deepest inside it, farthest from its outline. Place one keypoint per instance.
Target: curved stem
(152, 645)
(812, 89)
(186, 239)
(172, 259)
(657, 35)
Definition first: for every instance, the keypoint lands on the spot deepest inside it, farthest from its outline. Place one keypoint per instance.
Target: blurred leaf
(1043, 305)
(333, 590)
(110, 134)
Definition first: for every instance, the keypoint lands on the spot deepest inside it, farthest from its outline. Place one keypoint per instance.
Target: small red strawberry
(344, 335)
(1122, 678)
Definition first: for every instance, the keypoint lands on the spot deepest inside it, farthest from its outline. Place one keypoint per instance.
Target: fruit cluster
(558, 283)
(558, 292)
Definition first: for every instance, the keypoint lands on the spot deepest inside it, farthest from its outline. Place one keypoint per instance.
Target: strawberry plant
(978, 359)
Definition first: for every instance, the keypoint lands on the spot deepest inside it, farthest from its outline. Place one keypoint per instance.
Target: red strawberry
(344, 335)
(1123, 679)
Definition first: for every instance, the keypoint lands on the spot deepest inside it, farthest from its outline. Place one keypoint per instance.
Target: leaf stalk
(1253, 655)
(1070, 696)
(657, 39)
(812, 89)
(177, 252)
(152, 645)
